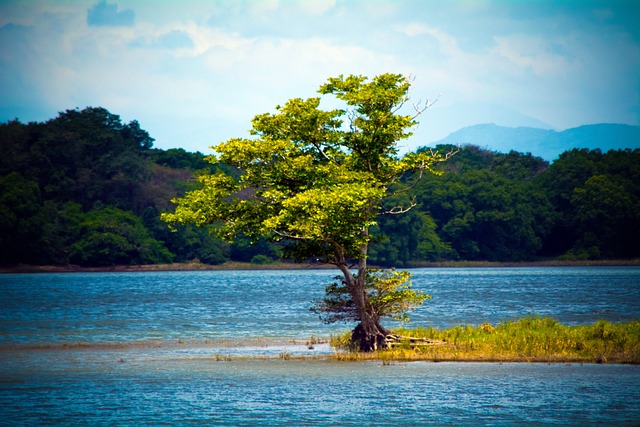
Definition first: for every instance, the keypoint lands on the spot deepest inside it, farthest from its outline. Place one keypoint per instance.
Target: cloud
(414, 29)
(105, 14)
(196, 73)
(176, 39)
(317, 7)
(542, 56)
(172, 40)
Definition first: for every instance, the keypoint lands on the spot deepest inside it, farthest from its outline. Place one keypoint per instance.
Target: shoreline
(287, 351)
(528, 340)
(279, 265)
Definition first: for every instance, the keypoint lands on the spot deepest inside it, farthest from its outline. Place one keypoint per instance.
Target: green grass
(530, 339)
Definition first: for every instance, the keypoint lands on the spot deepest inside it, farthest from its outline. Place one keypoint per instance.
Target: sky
(194, 72)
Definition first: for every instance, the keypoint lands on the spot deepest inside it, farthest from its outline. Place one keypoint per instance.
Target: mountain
(548, 144)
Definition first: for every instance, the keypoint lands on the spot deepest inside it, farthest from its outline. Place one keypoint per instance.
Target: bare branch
(290, 236)
(404, 190)
(319, 148)
(448, 155)
(395, 110)
(352, 115)
(397, 210)
(421, 109)
(422, 168)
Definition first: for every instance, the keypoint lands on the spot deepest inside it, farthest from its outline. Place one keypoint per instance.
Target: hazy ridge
(548, 144)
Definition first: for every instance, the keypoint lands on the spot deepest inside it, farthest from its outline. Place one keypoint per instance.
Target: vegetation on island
(530, 339)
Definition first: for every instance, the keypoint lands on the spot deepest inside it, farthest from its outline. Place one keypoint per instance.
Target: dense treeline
(516, 207)
(85, 188)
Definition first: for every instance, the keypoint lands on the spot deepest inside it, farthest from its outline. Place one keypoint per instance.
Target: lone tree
(318, 180)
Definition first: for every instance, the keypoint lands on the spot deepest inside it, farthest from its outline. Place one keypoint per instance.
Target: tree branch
(450, 154)
(291, 236)
(420, 109)
(397, 210)
(422, 168)
(319, 148)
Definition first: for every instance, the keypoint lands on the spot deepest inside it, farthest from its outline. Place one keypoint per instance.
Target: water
(117, 307)
(322, 393)
(151, 349)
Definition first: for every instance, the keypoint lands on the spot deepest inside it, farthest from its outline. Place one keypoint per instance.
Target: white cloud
(413, 29)
(264, 6)
(316, 7)
(532, 53)
(447, 43)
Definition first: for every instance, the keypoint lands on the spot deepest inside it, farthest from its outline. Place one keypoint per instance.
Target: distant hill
(544, 143)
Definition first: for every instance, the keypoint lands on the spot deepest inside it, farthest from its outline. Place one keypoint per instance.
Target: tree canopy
(306, 176)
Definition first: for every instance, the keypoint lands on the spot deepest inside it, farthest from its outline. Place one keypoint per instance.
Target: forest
(86, 189)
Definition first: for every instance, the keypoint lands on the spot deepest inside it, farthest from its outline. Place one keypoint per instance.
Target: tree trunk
(370, 335)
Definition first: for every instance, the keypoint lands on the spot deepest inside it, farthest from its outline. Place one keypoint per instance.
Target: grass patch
(530, 339)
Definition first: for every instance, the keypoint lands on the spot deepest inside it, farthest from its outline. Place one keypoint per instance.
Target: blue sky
(194, 73)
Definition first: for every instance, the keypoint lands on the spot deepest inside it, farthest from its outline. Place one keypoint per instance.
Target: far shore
(282, 265)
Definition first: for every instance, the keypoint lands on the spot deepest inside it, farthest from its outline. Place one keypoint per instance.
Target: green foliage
(190, 243)
(244, 250)
(21, 219)
(596, 200)
(57, 177)
(306, 178)
(390, 294)
(110, 236)
(179, 158)
(496, 207)
(401, 240)
(261, 259)
(486, 206)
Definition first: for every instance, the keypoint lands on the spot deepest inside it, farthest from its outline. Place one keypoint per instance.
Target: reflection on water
(171, 349)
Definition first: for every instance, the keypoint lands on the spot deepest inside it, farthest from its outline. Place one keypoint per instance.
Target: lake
(207, 348)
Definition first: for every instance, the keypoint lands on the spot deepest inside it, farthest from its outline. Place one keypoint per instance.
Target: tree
(606, 218)
(21, 220)
(317, 181)
(111, 236)
(486, 207)
(55, 176)
(594, 196)
(388, 291)
(404, 240)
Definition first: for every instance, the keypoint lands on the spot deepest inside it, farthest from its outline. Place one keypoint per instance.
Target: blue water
(317, 392)
(116, 307)
(151, 349)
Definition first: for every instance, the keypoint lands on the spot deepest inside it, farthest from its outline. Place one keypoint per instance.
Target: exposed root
(383, 339)
(396, 340)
